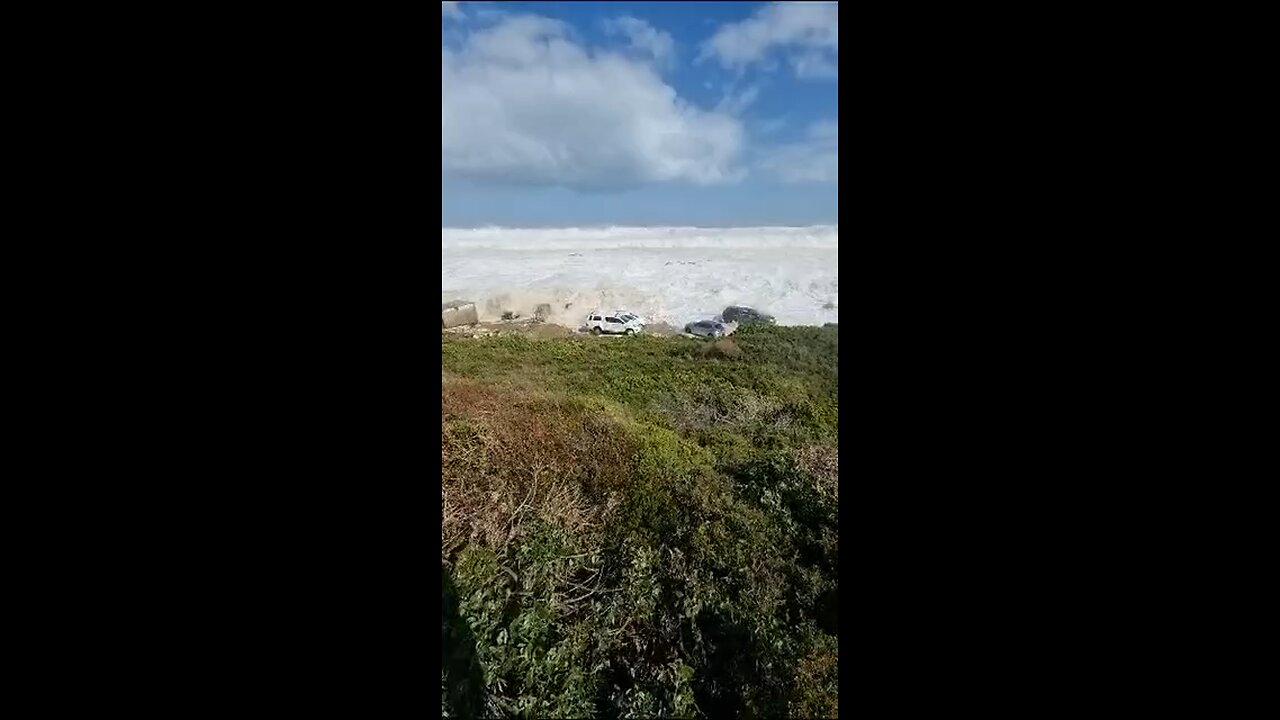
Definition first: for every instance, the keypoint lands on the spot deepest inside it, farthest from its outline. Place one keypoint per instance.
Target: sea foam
(664, 274)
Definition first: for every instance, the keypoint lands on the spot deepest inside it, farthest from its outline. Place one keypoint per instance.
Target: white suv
(615, 324)
(628, 316)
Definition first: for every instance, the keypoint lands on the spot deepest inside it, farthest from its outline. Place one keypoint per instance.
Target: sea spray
(664, 274)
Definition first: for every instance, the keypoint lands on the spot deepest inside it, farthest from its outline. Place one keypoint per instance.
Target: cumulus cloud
(815, 159)
(644, 38)
(522, 103)
(808, 34)
(770, 125)
(815, 65)
(735, 102)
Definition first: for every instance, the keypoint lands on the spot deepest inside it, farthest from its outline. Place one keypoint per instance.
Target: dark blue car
(745, 315)
(706, 328)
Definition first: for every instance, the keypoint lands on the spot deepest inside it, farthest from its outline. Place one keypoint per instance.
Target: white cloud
(816, 159)
(813, 65)
(770, 125)
(735, 103)
(809, 33)
(522, 103)
(644, 38)
(450, 8)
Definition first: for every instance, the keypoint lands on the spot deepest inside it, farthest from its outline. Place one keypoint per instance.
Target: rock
(542, 312)
(661, 329)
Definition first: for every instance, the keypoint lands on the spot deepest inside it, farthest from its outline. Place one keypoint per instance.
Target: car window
(611, 319)
(595, 317)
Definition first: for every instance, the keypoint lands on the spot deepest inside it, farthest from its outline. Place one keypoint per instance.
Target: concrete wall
(453, 315)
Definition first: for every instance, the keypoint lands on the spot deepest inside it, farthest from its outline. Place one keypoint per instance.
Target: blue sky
(663, 113)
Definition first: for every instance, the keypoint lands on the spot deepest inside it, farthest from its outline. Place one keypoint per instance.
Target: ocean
(664, 274)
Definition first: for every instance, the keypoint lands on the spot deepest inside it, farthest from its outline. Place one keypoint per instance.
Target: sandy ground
(533, 328)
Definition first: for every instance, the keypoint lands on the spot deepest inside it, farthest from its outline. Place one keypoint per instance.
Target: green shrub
(634, 529)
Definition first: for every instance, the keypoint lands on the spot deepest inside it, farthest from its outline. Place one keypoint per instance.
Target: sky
(561, 114)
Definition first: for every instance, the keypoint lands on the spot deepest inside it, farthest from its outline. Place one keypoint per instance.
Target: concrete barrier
(458, 312)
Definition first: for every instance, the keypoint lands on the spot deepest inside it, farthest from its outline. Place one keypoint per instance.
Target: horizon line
(606, 226)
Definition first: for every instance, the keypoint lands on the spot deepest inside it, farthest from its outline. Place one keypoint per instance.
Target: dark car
(705, 328)
(745, 315)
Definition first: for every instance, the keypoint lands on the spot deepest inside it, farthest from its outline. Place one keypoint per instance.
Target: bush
(641, 529)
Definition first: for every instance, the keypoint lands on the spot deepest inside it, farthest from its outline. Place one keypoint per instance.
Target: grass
(641, 526)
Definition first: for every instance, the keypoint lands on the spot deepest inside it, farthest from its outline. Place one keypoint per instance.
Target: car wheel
(630, 332)
(595, 331)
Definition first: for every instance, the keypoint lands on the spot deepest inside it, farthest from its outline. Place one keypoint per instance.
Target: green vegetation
(641, 527)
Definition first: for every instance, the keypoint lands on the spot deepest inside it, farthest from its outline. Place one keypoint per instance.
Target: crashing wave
(664, 274)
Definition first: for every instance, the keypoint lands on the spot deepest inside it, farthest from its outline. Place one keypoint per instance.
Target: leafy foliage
(641, 528)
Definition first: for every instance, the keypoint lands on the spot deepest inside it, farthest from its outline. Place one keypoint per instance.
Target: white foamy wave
(665, 274)
(543, 239)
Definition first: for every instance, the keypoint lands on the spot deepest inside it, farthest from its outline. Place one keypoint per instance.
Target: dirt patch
(531, 327)
(548, 331)
(661, 330)
(721, 349)
(521, 326)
